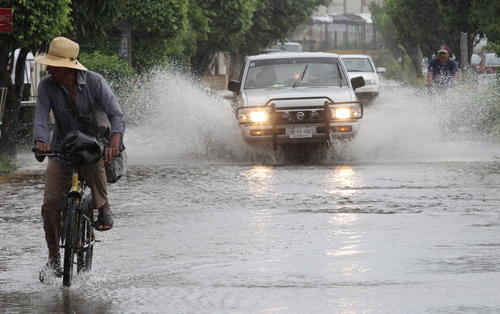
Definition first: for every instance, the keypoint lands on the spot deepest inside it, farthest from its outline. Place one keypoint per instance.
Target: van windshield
(294, 72)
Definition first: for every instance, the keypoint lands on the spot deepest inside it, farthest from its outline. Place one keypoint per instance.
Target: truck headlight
(253, 116)
(370, 82)
(259, 116)
(341, 113)
(347, 112)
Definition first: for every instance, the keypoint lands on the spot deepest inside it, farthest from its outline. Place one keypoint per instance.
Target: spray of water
(175, 117)
(414, 125)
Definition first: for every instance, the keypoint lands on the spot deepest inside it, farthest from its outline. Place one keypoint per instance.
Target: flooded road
(406, 223)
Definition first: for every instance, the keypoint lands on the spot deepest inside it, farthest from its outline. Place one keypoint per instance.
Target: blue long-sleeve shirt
(92, 88)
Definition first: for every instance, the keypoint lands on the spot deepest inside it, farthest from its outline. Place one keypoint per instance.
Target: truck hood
(259, 97)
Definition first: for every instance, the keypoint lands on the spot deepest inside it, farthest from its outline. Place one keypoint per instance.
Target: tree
(419, 27)
(159, 28)
(96, 24)
(458, 17)
(245, 27)
(227, 23)
(187, 30)
(35, 24)
(427, 24)
(275, 20)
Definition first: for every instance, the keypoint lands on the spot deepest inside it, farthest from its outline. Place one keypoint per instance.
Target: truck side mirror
(357, 82)
(380, 70)
(234, 86)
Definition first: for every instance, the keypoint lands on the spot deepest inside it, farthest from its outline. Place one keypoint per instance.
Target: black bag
(82, 149)
(117, 168)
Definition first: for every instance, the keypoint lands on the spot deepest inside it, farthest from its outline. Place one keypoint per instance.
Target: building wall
(346, 6)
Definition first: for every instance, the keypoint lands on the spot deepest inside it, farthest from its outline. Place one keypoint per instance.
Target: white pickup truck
(296, 98)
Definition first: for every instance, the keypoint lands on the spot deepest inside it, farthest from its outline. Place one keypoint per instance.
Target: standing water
(408, 220)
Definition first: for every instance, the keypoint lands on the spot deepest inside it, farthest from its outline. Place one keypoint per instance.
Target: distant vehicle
(475, 60)
(490, 63)
(363, 65)
(295, 98)
(284, 47)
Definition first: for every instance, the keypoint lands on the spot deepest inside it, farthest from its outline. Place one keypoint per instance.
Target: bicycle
(77, 236)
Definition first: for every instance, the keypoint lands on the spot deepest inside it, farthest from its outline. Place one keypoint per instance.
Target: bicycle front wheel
(70, 231)
(86, 233)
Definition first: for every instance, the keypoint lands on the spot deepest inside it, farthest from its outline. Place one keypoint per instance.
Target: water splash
(411, 125)
(175, 117)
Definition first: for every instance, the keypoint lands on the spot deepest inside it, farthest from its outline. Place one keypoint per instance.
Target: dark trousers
(57, 183)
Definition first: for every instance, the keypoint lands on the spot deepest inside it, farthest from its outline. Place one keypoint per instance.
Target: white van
(363, 65)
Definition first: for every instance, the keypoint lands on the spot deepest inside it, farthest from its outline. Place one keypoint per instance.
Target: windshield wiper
(300, 78)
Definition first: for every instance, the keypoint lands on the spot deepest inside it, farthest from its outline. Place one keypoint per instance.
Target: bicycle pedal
(97, 240)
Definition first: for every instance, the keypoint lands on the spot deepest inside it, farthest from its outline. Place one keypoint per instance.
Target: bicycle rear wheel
(70, 231)
(87, 237)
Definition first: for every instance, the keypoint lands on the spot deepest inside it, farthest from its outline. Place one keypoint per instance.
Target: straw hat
(62, 53)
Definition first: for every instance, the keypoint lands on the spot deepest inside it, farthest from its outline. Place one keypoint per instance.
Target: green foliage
(246, 26)
(486, 12)
(109, 66)
(7, 164)
(36, 23)
(399, 70)
(274, 21)
(427, 24)
(95, 24)
(158, 27)
(492, 46)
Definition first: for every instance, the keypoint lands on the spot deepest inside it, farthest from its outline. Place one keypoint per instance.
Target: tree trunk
(201, 61)
(417, 62)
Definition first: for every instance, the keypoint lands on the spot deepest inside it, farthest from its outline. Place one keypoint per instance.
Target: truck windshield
(279, 73)
(358, 65)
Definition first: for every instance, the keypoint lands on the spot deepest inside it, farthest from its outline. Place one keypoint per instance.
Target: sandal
(51, 269)
(104, 220)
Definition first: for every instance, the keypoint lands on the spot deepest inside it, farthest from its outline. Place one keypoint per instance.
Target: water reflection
(56, 300)
(348, 254)
(260, 179)
(341, 179)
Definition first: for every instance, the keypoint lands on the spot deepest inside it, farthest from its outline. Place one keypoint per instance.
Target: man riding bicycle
(71, 91)
(442, 71)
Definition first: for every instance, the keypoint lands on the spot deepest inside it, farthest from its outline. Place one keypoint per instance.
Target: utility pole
(464, 58)
(125, 51)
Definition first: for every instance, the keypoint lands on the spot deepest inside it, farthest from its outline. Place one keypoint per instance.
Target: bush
(399, 70)
(7, 164)
(109, 66)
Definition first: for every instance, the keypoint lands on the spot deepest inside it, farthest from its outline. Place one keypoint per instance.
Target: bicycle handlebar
(41, 156)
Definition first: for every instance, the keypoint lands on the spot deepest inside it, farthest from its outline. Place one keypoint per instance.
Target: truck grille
(299, 116)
